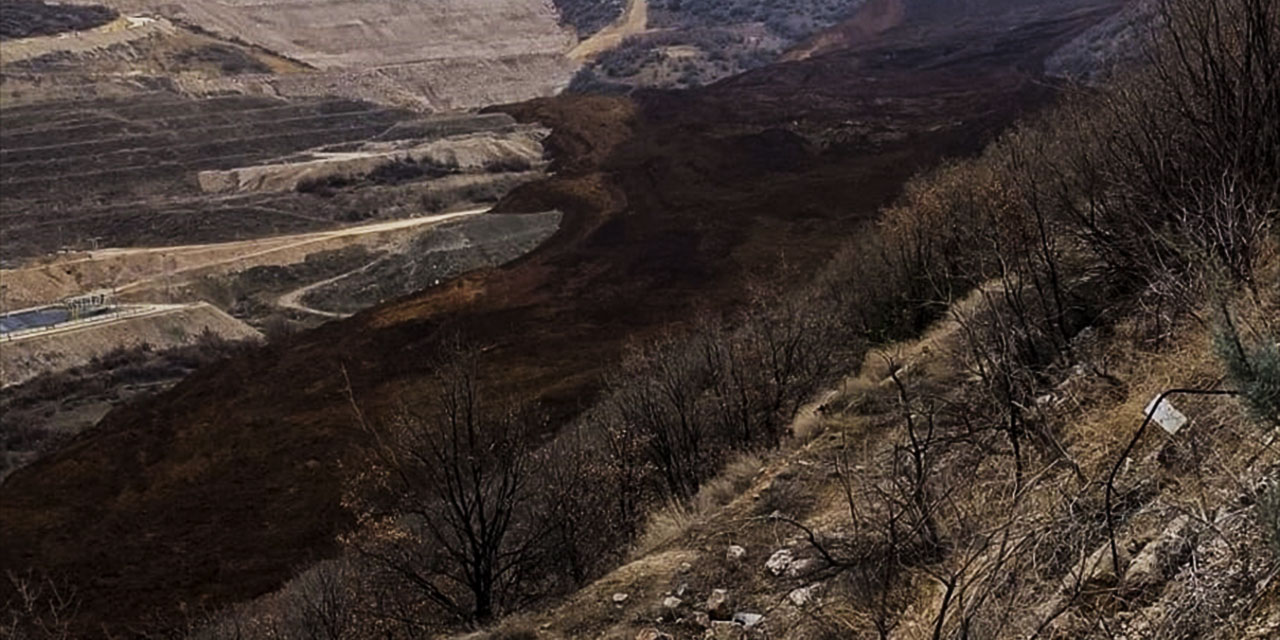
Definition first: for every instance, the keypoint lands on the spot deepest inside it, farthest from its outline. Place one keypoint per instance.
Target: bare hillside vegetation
(26, 18)
(589, 16)
(1078, 445)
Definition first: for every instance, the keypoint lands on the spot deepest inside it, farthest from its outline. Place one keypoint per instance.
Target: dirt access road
(634, 20)
(289, 243)
(134, 270)
(278, 243)
(293, 299)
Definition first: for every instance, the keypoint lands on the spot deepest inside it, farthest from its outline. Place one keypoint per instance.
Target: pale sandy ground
(123, 30)
(634, 21)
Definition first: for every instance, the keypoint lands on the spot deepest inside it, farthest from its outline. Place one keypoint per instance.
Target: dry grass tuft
(676, 518)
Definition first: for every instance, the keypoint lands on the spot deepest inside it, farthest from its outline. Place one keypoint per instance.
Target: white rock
(735, 553)
(718, 603)
(801, 567)
(619, 598)
(1147, 569)
(778, 563)
(672, 602)
(802, 596)
(747, 620)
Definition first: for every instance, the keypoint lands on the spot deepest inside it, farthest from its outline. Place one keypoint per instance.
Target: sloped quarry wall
(407, 43)
(470, 153)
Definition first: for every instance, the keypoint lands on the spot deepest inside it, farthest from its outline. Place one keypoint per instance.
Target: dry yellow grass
(1095, 419)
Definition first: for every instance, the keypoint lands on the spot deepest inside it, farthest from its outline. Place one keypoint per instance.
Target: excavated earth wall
(427, 54)
(466, 153)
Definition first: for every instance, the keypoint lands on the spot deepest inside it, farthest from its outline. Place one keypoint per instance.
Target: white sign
(1169, 418)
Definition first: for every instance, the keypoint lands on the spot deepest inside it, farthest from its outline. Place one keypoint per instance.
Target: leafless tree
(656, 396)
(324, 603)
(40, 608)
(585, 522)
(450, 518)
(761, 371)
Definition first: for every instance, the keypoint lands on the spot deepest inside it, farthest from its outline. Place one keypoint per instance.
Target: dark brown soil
(219, 489)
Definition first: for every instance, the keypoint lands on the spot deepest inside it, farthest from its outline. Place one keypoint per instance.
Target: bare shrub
(1174, 170)
(656, 394)
(584, 527)
(1253, 366)
(40, 608)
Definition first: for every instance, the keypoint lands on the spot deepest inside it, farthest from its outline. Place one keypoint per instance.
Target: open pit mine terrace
(174, 193)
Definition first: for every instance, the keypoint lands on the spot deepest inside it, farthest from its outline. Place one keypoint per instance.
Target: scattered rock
(701, 619)
(619, 598)
(1097, 571)
(672, 602)
(747, 620)
(1151, 565)
(652, 634)
(685, 567)
(801, 567)
(778, 563)
(802, 596)
(735, 553)
(718, 604)
(682, 589)
(721, 630)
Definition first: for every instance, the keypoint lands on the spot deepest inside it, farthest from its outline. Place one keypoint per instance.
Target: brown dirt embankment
(221, 488)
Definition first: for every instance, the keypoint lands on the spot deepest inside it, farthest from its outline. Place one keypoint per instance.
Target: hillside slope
(223, 487)
(802, 538)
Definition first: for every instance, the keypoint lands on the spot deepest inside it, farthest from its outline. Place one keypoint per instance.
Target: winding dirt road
(293, 299)
(276, 244)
